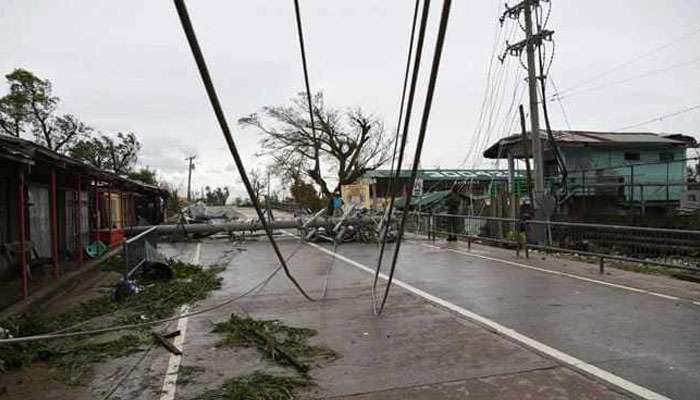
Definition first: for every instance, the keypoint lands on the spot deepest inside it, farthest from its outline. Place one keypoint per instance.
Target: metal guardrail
(136, 250)
(671, 248)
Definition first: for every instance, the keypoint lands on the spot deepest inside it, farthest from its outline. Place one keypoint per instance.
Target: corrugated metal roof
(590, 138)
(610, 137)
(447, 174)
(26, 152)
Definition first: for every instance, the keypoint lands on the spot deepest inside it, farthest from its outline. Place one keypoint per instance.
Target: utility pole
(189, 176)
(537, 161)
(528, 45)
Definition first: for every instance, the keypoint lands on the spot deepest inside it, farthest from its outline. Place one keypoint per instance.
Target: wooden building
(53, 206)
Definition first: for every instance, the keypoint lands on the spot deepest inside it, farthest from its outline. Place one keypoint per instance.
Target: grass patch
(648, 269)
(258, 386)
(282, 344)
(157, 300)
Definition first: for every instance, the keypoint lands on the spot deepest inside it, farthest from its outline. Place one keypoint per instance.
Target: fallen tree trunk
(245, 226)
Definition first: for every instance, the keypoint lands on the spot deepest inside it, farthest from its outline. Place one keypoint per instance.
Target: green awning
(426, 201)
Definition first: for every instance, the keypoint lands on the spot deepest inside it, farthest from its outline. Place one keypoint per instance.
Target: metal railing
(671, 248)
(139, 249)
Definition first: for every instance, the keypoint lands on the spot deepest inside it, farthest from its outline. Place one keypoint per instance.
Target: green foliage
(285, 345)
(114, 154)
(30, 106)
(216, 197)
(145, 175)
(158, 300)
(305, 195)
(258, 386)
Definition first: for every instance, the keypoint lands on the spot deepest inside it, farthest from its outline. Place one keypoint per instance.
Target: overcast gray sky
(125, 66)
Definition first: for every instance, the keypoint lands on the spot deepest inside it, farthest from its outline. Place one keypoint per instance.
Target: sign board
(418, 187)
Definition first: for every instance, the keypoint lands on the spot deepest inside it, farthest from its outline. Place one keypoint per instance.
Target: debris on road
(285, 345)
(75, 356)
(163, 340)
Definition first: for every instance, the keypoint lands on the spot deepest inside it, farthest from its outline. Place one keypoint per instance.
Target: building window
(631, 156)
(666, 156)
(692, 197)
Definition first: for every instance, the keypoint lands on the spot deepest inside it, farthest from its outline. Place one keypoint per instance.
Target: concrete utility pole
(537, 160)
(189, 177)
(528, 45)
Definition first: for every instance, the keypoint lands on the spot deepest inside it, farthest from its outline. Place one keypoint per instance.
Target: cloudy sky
(125, 66)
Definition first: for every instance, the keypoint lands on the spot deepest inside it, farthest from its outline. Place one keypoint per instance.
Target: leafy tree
(31, 105)
(349, 143)
(145, 175)
(118, 156)
(305, 195)
(216, 197)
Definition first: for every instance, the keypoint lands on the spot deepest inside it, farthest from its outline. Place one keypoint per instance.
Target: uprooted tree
(346, 143)
(30, 106)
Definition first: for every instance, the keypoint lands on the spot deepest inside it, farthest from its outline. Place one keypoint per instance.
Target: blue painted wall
(612, 167)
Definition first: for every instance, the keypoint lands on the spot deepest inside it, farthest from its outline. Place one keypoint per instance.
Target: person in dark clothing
(453, 204)
(527, 212)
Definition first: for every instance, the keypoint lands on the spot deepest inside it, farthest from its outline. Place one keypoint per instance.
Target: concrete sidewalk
(415, 350)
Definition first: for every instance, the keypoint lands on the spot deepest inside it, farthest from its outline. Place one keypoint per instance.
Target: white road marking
(197, 252)
(170, 380)
(553, 272)
(574, 362)
(697, 303)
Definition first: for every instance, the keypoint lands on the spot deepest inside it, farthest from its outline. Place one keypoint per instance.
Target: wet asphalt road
(651, 341)
(415, 350)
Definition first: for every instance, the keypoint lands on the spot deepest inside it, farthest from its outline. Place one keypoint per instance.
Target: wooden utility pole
(189, 177)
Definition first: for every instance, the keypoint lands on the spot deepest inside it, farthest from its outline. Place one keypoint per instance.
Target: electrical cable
(621, 81)
(487, 91)
(302, 47)
(403, 91)
(34, 338)
(607, 72)
(255, 289)
(543, 85)
(128, 373)
(221, 118)
(661, 118)
(317, 166)
(440, 41)
(561, 105)
(383, 230)
(407, 120)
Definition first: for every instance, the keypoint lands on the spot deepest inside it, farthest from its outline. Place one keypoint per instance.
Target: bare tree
(258, 181)
(347, 143)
